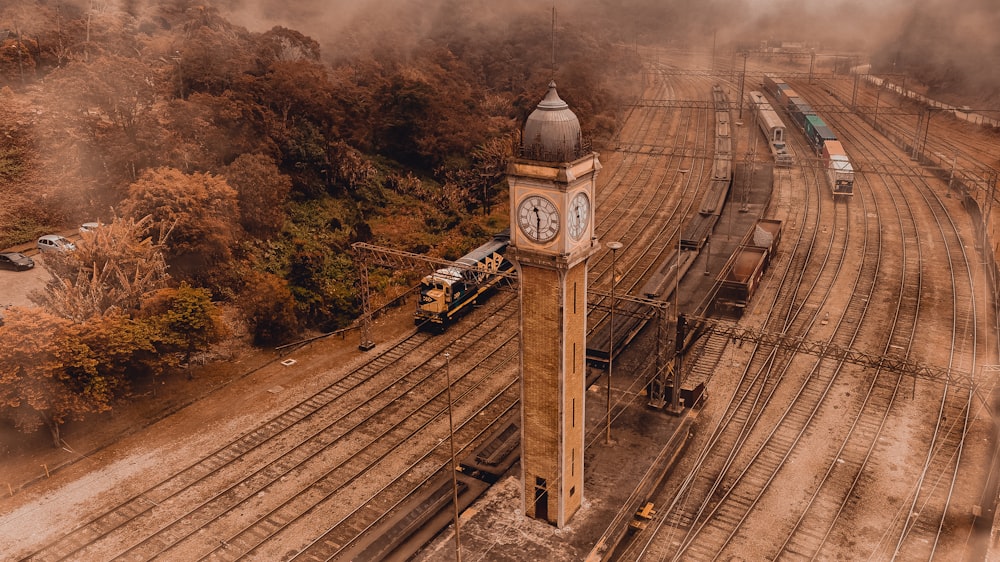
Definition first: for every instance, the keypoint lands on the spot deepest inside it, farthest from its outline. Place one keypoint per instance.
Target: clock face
(579, 216)
(538, 218)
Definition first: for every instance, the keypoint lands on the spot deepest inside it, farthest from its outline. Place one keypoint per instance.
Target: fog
(341, 23)
(948, 44)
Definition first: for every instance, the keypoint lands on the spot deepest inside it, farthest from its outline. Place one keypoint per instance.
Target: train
(669, 271)
(837, 166)
(742, 273)
(722, 162)
(449, 292)
(773, 128)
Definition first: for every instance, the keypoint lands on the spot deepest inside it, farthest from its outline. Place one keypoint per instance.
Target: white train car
(773, 128)
(839, 172)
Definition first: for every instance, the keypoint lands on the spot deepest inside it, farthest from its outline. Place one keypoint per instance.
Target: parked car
(16, 261)
(89, 226)
(54, 242)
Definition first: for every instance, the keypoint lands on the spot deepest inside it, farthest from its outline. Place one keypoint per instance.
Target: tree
(123, 348)
(48, 375)
(197, 211)
(261, 190)
(114, 267)
(269, 309)
(283, 44)
(187, 320)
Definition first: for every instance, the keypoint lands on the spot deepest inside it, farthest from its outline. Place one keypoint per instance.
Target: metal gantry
(667, 374)
(369, 255)
(824, 349)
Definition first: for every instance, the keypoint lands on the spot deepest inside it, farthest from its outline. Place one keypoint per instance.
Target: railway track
(339, 463)
(733, 490)
(922, 524)
(341, 437)
(372, 439)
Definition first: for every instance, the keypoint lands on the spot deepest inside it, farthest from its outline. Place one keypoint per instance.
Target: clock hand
(538, 221)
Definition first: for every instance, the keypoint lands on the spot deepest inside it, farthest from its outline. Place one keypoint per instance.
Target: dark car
(16, 261)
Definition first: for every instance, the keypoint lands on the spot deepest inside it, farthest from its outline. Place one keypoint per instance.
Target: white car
(54, 242)
(89, 227)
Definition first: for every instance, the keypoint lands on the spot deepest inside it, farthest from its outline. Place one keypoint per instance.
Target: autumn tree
(124, 348)
(261, 191)
(269, 309)
(100, 129)
(213, 55)
(197, 211)
(114, 267)
(48, 375)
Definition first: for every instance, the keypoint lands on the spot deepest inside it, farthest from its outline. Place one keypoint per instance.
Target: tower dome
(552, 131)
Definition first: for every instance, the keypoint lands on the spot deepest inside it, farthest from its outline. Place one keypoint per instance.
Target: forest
(232, 170)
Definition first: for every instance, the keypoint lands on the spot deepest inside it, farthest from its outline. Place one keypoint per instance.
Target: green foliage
(186, 320)
(261, 190)
(20, 227)
(260, 161)
(12, 166)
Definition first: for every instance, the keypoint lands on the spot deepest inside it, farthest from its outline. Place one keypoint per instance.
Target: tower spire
(553, 42)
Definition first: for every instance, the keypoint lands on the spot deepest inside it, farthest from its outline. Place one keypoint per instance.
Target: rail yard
(793, 455)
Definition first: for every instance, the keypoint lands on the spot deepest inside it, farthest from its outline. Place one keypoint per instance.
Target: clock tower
(552, 238)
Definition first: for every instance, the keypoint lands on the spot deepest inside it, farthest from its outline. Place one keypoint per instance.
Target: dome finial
(552, 131)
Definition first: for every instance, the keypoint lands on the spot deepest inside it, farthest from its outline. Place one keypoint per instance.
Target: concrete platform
(618, 479)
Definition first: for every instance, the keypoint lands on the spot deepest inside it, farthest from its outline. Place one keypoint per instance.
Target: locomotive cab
(451, 291)
(436, 295)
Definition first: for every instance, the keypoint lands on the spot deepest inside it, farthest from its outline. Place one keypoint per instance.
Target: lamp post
(614, 247)
(454, 476)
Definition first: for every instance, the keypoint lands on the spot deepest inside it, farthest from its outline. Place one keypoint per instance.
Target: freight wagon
(742, 273)
(740, 276)
(840, 173)
(818, 132)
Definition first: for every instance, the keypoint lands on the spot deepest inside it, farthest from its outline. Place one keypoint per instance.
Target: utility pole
(743, 78)
(614, 247)
(454, 468)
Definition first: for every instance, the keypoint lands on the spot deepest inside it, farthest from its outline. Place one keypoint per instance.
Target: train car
(770, 85)
(451, 291)
(765, 234)
(777, 88)
(722, 163)
(740, 276)
(742, 273)
(840, 173)
(798, 110)
(817, 132)
(773, 128)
